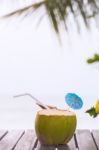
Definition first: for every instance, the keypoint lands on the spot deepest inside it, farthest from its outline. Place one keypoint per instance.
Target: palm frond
(59, 10)
(20, 11)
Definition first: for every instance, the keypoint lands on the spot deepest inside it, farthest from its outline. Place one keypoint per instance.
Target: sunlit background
(33, 60)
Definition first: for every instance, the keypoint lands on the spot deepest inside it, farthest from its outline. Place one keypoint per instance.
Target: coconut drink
(55, 126)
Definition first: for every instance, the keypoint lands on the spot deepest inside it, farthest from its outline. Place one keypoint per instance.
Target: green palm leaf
(59, 10)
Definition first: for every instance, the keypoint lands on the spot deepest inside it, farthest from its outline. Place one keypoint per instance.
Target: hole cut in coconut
(56, 112)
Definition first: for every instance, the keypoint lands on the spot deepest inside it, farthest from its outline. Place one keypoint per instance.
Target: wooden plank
(69, 146)
(27, 142)
(95, 134)
(10, 140)
(85, 140)
(44, 147)
(2, 133)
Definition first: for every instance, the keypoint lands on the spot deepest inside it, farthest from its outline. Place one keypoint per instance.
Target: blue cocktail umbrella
(73, 100)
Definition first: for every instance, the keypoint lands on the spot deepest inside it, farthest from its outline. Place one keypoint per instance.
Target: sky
(32, 60)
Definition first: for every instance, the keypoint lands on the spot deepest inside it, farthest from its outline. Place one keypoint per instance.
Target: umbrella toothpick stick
(71, 105)
(39, 103)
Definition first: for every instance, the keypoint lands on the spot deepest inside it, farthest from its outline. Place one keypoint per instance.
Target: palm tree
(58, 11)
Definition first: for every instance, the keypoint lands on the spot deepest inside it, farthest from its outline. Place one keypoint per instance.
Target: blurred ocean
(20, 113)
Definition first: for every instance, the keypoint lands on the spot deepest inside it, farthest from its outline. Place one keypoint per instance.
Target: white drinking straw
(39, 103)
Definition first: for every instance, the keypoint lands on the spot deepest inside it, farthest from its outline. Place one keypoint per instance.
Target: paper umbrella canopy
(73, 101)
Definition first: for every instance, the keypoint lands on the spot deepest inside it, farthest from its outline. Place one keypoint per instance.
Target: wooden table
(26, 140)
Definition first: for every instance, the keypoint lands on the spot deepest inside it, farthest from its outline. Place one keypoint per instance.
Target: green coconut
(55, 126)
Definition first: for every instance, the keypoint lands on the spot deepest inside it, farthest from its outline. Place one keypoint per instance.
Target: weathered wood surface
(26, 140)
(85, 140)
(95, 134)
(43, 147)
(10, 140)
